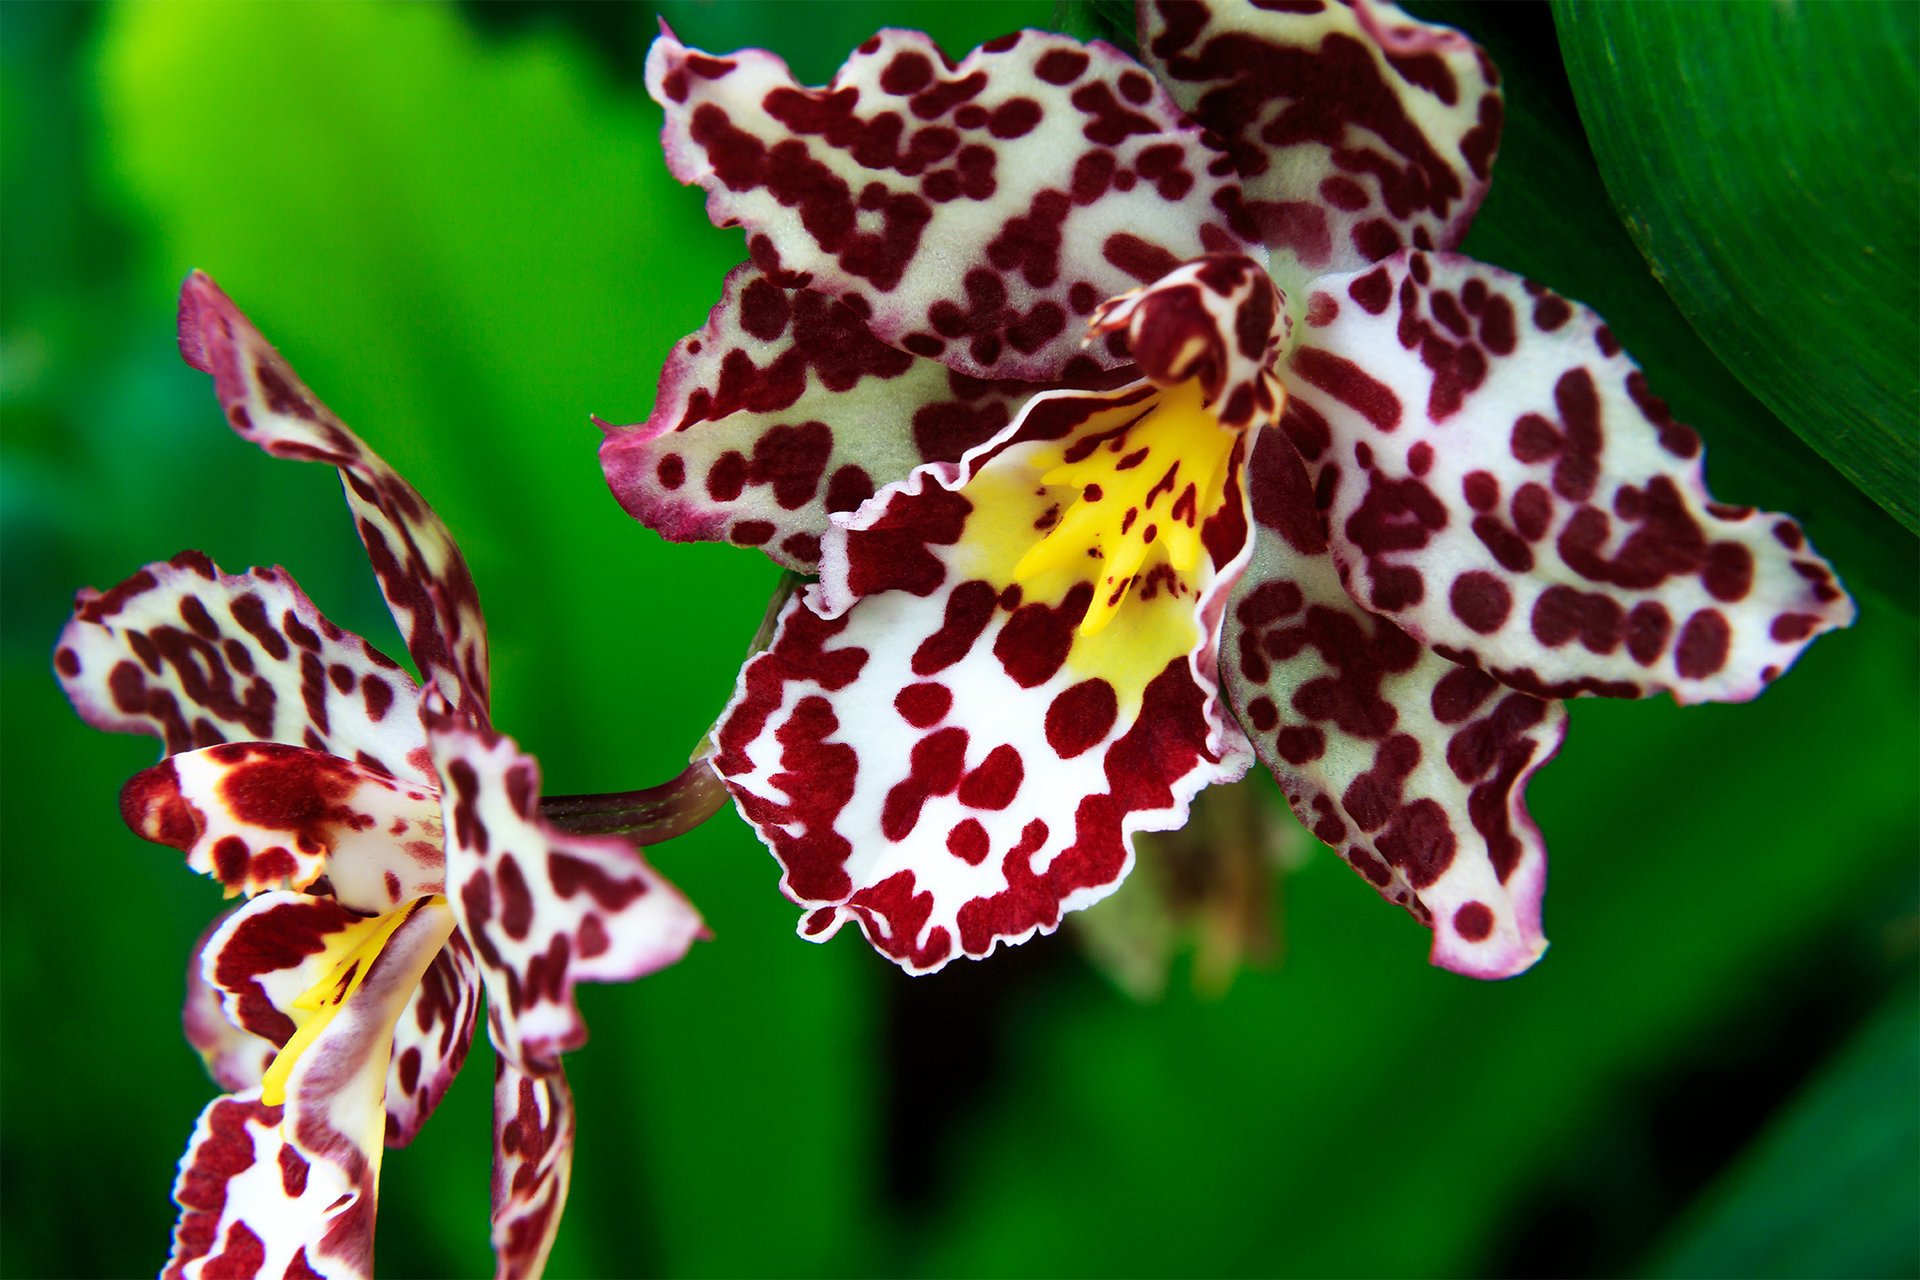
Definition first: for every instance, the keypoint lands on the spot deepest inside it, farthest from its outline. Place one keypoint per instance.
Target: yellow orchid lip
(1154, 484)
(354, 951)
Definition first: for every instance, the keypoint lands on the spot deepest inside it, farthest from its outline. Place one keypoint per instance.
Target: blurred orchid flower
(1037, 556)
(391, 846)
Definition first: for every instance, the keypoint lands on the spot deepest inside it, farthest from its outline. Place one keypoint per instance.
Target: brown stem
(647, 816)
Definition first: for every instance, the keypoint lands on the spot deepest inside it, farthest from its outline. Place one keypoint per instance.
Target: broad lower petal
(265, 815)
(1413, 768)
(1501, 482)
(197, 657)
(783, 409)
(1356, 131)
(431, 1040)
(420, 569)
(975, 213)
(541, 908)
(532, 1166)
(944, 754)
(252, 1205)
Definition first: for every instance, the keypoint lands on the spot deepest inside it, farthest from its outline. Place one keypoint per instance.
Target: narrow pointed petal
(265, 815)
(541, 908)
(783, 409)
(1501, 482)
(431, 1040)
(251, 1205)
(235, 1058)
(421, 571)
(974, 213)
(532, 1166)
(1413, 768)
(943, 756)
(268, 1182)
(197, 657)
(1356, 130)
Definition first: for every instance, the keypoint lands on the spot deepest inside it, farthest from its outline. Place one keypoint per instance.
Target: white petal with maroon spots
(1502, 483)
(1356, 131)
(532, 1166)
(952, 765)
(196, 657)
(236, 1059)
(973, 213)
(265, 815)
(431, 1039)
(421, 571)
(784, 408)
(251, 1205)
(1412, 767)
(542, 909)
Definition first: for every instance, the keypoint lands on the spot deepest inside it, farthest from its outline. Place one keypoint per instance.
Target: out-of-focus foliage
(456, 224)
(1766, 158)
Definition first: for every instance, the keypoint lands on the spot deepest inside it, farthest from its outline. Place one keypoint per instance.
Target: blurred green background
(456, 224)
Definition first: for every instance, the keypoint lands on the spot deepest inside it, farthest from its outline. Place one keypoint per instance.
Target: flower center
(1153, 482)
(353, 952)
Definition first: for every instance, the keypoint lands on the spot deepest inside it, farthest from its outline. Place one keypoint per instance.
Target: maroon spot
(1081, 716)
(1473, 921)
(1563, 613)
(923, 705)
(67, 662)
(1036, 639)
(1060, 66)
(1300, 744)
(995, 783)
(727, 477)
(968, 611)
(1481, 601)
(1263, 714)
(1481, 490)
(1347, 382)
(849, 487)
(1014, 118)
(1459, 693)
(1648, 627)
(907, 74)
(516, 906)
(1729, 572)
(765, 309)
(751, 533)
(1703, 645)
(1790, 627)
(933, 770)
(968, 842)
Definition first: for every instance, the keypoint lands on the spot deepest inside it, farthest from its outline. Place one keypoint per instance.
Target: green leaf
(1766, 158)
(1829, 1190)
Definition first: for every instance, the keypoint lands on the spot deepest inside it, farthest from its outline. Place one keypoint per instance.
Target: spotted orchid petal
(1503, 484)
(974, 213)
(292, 1169)
(946, 742)
(265, 815)
(251, 1205)
(541, 908)
(421, 571)
(197, 657)
(1412, 767)
(783, 409)
(431, 1039)
(1356, 131)
(235, 1058)
(532, 1166)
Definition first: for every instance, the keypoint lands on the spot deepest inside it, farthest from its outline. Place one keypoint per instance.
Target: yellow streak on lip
(355, 949)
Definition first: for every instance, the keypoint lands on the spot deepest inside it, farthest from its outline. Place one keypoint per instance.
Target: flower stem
(647, 816)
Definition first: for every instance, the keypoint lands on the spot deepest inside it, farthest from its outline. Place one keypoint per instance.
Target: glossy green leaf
(1766, 158)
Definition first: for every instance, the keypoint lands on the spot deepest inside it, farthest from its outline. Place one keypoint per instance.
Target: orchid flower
(392, 849)
(1005, 370)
